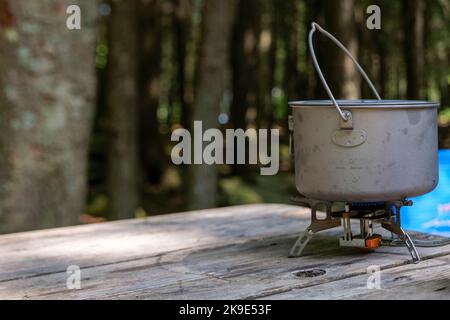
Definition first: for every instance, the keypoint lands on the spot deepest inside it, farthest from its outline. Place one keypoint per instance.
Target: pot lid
(366, 103)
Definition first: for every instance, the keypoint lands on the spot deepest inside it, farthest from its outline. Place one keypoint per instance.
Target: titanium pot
(369, 150)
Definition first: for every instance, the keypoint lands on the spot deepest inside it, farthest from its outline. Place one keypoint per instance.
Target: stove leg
(316, 225)
(411, 247)
(300, 244)
(395, 227)
(404, 236)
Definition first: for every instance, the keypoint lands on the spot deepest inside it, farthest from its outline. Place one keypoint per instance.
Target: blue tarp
(431, 212)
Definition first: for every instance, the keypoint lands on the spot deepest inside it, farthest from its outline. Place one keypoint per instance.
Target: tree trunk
(414, 41)
(150, 54)
(340, 72)
(263, 75)
(289, 31)
(244, 61)
(213, 61)
(182, 29)
(315, 13)
(246, 33)
(47, 98)
(122, 176)
(383, 56)
(269, 113)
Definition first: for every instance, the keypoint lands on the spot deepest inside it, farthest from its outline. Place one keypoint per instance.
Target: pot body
(389, 153)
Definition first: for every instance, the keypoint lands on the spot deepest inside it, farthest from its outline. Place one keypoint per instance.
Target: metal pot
(369, 150)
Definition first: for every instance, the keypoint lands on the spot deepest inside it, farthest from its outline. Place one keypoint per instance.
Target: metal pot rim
(365, 104)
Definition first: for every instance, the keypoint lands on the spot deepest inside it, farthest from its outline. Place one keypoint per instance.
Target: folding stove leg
(411, 247)
(316, 225)
(395, 227)
(300, 244)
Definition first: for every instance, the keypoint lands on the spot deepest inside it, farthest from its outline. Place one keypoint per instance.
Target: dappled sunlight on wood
(235, 253)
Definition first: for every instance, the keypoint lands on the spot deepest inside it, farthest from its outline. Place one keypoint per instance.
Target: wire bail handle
(345, 115)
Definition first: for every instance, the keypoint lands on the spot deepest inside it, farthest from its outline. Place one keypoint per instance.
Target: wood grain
(226, 253)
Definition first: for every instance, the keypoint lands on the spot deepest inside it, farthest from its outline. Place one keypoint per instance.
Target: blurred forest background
(87, 115)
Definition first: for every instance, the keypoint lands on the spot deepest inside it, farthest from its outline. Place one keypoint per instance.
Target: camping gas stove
(385, 213)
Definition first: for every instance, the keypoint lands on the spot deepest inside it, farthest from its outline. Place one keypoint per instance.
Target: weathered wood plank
(228, 260)
(162, 280)
(41, 252)
(428, 280)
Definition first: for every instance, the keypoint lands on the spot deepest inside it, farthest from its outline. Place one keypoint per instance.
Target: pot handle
(314, 26)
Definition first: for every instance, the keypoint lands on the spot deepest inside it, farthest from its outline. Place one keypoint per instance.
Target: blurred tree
(47, 83)
(289, 28)
(315, 12)
(214, 55)
(340, 72)
(414, 42)
(275, 17)
(381, 49)
(263, 68)
(182, 10)
(122, 103)
(151, 148)
(244, 61)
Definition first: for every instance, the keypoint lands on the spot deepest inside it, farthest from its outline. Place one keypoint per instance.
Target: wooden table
(226, 253)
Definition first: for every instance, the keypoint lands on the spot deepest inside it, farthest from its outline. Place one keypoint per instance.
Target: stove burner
(385, 213)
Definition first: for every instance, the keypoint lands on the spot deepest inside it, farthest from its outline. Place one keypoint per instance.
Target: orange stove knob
(373, 241)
